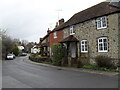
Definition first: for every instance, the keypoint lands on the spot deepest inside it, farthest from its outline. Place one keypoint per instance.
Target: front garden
(103, 63)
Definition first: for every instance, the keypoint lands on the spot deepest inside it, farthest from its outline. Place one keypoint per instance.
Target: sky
(30, 19)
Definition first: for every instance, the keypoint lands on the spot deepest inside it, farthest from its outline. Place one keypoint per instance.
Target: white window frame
(103, 44)
(101, 21)
(72, 30)
(83, 46)
(55, 34)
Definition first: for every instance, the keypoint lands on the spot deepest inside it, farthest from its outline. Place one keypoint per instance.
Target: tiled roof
(93, 12)
(70, 38)
(44, 45)
(104, 8)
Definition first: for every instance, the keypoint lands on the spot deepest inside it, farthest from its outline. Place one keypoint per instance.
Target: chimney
(48, 31)
(115, 3)
(56, 24)
(41, 40)
(61, 21)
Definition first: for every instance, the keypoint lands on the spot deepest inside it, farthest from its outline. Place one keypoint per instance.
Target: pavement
(106, 73)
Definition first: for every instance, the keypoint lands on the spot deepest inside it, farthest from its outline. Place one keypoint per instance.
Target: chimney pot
(56, 24)
(61, 21)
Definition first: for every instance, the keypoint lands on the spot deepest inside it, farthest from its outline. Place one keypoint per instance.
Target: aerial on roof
(103, 8)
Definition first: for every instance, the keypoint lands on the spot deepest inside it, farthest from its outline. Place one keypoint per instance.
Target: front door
(73, 49)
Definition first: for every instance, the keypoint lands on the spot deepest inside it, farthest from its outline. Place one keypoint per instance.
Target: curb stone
(75, 69)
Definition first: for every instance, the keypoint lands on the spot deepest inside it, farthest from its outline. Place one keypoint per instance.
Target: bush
(89, 67)
(58, 52)
(15, 50)
(104, 61)
(79, 64)
(37, 58)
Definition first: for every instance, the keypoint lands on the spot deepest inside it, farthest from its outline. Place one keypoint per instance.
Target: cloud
(29, 19)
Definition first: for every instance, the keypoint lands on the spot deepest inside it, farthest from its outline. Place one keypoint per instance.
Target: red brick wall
(56, 40)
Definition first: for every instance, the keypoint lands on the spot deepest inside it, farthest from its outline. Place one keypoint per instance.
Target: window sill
(84, 51)
(101, 28)
(72, 33)
(55, 37)
(103, 51)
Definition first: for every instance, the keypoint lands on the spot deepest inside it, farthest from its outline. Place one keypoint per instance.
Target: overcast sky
(30, 19)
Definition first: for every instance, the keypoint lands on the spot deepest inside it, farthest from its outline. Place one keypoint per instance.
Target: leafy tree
(15, 50)
(58, 52)
(7, 44)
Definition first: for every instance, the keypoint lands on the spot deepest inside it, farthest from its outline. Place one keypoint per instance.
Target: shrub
(58, 52)
(15, 50)
(37, 58)
(89, 67)
(79, 64)
(104, 61)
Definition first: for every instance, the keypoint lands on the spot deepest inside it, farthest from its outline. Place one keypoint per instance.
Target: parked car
(14, 55)
(24, 54)
(10, 56)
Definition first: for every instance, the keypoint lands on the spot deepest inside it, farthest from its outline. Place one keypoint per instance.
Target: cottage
(92, 32)
(45, 44)
(56, 35)
(35, 49)
(51, 38)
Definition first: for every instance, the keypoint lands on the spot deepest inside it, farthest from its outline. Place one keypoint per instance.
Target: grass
(89, 67)
(93, 67)
(47, 62)
(37, 56)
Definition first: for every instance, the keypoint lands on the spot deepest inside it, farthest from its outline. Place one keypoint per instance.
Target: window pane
(85, 42)
(104, 22)
(105, 40)
(99, 23)
(82, 47)
(100, 40)
(100, 47)
(55, 34)
(105, 48)
(86, 49)
(71, 30)
(82, 42)
(105, 44)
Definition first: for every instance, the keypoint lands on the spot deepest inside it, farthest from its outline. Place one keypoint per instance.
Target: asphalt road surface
(19, 74)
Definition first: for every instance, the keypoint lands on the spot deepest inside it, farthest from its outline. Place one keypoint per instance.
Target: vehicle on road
(10, 56)
(23, 54)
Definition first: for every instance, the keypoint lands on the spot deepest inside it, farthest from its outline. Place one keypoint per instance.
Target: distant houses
(20, 47)
(35, 49)
(87, 34)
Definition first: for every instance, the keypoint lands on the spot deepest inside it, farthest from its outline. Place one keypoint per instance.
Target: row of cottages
(89, 33)
(52, 37)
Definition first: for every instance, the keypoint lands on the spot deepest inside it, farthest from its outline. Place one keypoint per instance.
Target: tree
(15, 50)
(58, 53)
(7, 44)
(29, 46)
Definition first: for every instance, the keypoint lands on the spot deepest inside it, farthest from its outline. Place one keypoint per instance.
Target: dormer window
(55, 34)
(101, 22)
(72, 31)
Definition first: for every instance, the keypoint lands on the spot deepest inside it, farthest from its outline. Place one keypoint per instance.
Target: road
(19, 74)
